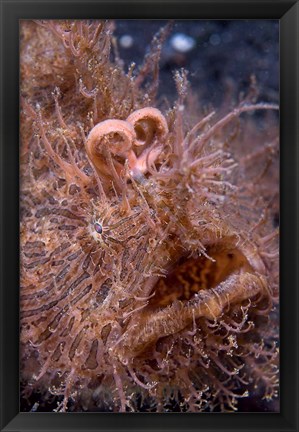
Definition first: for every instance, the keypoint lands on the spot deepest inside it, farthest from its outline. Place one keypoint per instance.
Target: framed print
(148, 249)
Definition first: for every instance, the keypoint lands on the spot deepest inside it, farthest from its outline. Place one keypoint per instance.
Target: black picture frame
(287, 11)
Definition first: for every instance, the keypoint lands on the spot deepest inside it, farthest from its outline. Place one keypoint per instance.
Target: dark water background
(224, 51)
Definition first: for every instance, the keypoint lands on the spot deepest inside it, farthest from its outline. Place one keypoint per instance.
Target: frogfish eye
(98, 227)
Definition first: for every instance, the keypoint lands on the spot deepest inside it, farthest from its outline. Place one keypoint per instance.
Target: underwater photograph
(149, 216)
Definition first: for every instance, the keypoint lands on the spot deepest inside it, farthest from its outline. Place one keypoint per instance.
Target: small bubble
(126, 41)
(182, 43)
